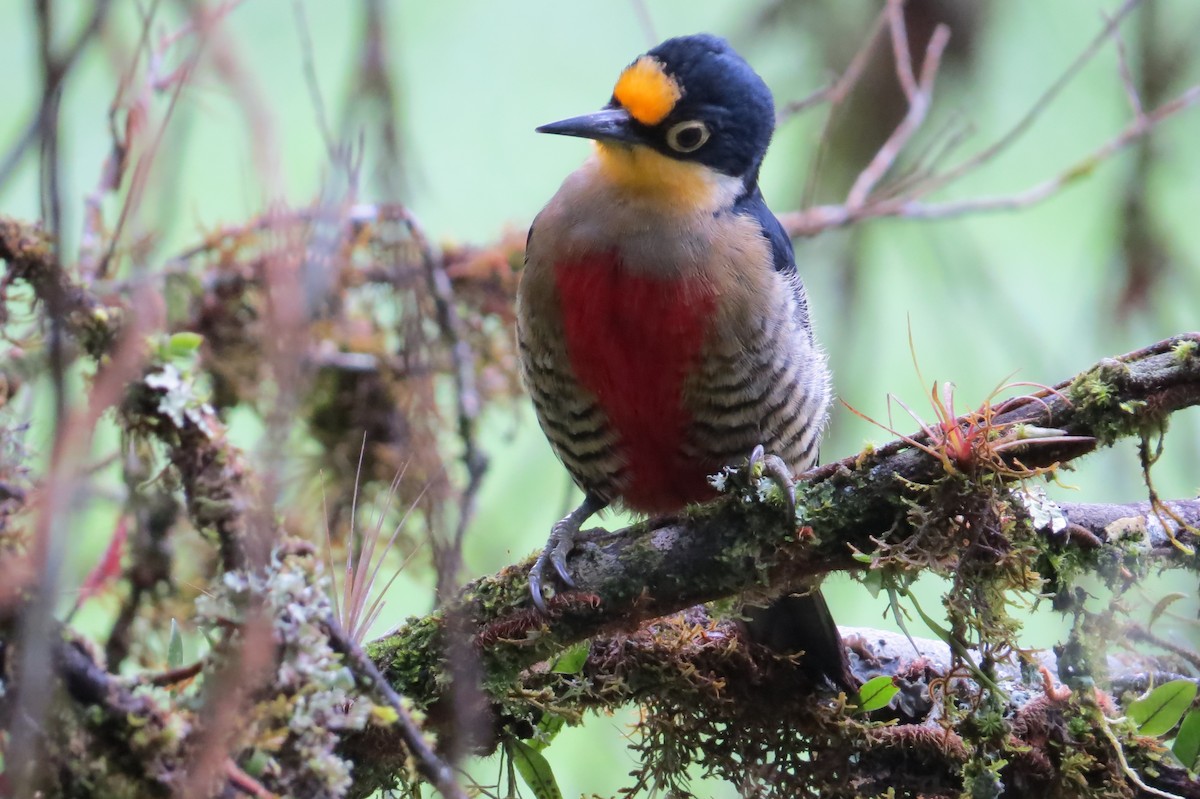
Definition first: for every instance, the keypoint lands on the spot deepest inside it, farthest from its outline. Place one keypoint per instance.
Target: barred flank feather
(706, 332)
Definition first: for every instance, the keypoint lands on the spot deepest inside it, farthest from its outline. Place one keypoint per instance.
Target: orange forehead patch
(646, 91)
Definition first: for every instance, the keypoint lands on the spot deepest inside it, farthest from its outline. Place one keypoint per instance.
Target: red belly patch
(632, 339)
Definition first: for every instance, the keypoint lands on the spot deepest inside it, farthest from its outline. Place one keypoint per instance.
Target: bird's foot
(772, 467)
(563, 537)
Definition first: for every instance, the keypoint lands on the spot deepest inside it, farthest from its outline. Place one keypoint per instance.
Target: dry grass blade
(356, 611)
(364, 622)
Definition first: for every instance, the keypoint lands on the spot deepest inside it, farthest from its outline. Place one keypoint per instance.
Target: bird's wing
(783, 256)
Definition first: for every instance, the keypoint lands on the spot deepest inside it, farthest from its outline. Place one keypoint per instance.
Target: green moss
(1095, 397)
(405, 658)
(981, 777)
(1186, 350)
(638, 553)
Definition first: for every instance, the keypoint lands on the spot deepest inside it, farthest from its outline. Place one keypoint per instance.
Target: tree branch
(125, 731)
(908, 202)
(214, 474)
(873, 502)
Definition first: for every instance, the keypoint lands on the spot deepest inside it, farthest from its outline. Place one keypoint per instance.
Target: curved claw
(756, 457)
(558, 555)
(558, 547)
(535, 582)
(775, 470)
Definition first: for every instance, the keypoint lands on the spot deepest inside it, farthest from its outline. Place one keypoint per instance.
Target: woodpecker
(663, 329)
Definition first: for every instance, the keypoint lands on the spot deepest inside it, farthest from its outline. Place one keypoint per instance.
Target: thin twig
(1136, 632)
(837, 95)
(646, 21)
(308, 61)
(63, 64)
(898, 32)
(1127, 80)
(116, 163)
(429, 764)
(375, 98)
(1160, 508)
(198, 24)
(837, 91)
(245, 783)
(1038, 108)
(814, 220)
(919, 96)
(466, 396)
(141, 171)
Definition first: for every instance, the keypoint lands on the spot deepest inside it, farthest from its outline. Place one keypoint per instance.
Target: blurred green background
(1042, 293)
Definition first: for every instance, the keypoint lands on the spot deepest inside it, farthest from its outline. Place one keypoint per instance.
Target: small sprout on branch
(877, 693)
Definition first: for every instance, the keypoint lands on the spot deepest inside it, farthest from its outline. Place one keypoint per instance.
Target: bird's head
(687, 113)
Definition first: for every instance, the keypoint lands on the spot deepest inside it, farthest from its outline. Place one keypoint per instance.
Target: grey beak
(608, 124)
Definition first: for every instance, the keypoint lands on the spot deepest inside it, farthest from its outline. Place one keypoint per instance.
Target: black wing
(783, 256)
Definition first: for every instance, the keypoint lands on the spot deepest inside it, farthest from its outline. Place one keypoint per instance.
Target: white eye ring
(687, 137)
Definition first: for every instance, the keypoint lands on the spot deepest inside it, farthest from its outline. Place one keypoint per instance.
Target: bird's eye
(687, 137)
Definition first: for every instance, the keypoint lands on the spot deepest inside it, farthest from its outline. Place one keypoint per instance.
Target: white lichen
(179, 399)
(293, 735)
(1044, 512)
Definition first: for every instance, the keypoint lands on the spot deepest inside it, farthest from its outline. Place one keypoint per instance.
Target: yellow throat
(654, 177)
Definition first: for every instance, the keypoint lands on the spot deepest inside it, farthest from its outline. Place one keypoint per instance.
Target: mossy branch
(218, 486)
(736, 544)
(739, 544)
(127, 739)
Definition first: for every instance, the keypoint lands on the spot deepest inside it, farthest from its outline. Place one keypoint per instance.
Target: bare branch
(837, 91)
(1040, 105)
(861, 205)
(1127, 80)
(814, 220)
(62, 65)
(919, 97)
(837, 94)
(900, 49)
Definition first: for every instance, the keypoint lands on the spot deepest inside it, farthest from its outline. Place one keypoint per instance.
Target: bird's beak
(607, 124)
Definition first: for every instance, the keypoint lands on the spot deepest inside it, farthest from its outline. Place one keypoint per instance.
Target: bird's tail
(802, 622)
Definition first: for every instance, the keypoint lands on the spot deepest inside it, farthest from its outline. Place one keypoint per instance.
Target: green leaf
(1187, 742)
(534, 770)
(256, 763)
(877, 693)
(547, 729)
(1157, 712)
(1161, 606)
(175, 648)
(572, 660)
(184, 343)
(862, 557)
(873, 582)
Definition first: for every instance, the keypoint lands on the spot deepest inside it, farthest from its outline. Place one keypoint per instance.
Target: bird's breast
(632, 338)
